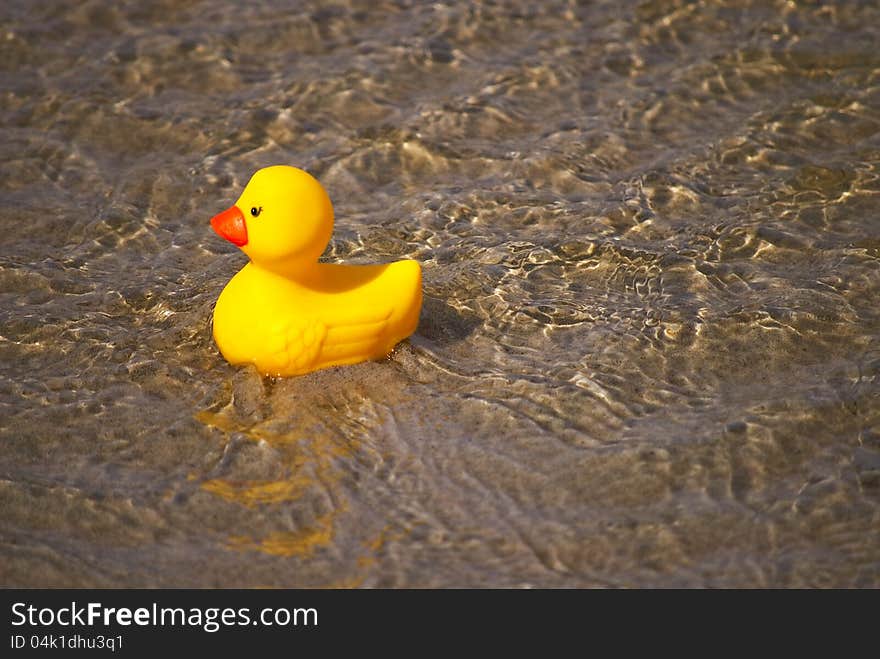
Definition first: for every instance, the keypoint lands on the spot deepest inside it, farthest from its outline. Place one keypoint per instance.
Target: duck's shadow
(443, 324)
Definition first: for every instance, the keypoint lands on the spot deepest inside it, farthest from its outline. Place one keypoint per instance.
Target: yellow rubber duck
(288, 314)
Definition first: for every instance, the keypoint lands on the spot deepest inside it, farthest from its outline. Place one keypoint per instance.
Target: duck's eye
(256, 211)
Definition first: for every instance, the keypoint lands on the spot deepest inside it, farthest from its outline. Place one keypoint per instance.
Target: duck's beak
(230, 225)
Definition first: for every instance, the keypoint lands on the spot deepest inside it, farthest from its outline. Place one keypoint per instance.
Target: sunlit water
(649, 353)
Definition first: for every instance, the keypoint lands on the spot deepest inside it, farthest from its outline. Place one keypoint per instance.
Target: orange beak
(230, 225)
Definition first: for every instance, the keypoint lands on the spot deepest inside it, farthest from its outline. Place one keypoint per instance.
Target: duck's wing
(292, 346)
(302, 344)
(352, 338)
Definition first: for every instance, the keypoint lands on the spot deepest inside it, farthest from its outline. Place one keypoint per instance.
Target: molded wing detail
(293, 347)
(352, 340)
(304, 344)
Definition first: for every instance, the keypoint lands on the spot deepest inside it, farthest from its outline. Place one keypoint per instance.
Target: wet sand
(650, 345)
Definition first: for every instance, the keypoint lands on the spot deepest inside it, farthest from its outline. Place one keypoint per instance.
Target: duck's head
(283, 220)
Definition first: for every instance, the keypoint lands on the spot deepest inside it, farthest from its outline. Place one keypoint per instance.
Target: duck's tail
(406, 281)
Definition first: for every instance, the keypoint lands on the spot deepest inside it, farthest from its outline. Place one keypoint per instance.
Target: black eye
(256, 211)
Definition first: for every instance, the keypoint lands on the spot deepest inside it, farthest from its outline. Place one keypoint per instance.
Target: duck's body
(288, 314)
(346, 314)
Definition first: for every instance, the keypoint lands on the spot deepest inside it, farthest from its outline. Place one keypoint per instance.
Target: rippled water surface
(649, 353)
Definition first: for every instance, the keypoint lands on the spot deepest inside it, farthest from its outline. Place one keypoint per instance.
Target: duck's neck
(306, 275)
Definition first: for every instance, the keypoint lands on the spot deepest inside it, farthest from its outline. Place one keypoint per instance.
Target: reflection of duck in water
(285, 312)
(300, 487)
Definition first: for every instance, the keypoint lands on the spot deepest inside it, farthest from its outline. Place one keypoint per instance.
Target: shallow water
(649, 353)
